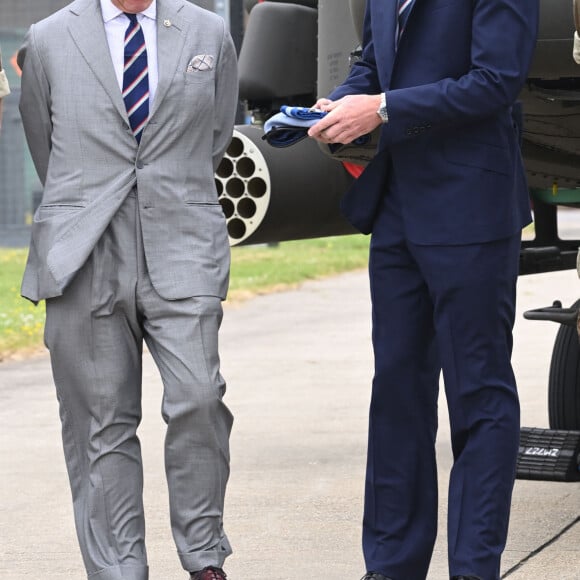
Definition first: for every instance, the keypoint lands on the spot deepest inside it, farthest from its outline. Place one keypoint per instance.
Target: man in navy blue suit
(445, 199)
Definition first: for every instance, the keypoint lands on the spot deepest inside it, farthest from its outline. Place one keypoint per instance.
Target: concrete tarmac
(298, 366)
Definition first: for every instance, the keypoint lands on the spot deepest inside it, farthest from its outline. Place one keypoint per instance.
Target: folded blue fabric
(303, 113)
(291, 126)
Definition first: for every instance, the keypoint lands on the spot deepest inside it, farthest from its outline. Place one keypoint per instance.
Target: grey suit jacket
(88, 160)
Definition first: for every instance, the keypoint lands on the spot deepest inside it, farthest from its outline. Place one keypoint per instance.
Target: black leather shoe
(374, 576)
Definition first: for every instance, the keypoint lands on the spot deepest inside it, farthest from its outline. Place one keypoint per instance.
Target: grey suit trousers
(95, 333)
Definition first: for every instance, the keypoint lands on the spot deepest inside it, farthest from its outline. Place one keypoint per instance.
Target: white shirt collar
(110, 11)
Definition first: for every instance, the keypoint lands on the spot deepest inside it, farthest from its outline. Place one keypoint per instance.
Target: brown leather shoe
(209, 573)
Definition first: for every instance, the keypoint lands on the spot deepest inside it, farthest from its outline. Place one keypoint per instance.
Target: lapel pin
(167, 23)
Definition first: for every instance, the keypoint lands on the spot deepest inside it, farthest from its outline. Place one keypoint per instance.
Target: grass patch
(21, 323)
(255, 270)
(260, 269)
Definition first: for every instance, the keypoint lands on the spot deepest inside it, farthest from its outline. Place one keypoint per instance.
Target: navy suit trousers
(448, 308)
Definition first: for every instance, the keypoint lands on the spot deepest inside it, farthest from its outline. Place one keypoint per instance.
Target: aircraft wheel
(564, 381)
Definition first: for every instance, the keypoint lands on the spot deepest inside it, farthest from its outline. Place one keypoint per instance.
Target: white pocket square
(200, 62)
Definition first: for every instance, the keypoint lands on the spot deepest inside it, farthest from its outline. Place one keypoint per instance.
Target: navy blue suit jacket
(451, 136)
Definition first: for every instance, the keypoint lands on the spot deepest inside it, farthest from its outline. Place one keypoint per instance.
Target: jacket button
(139, 164)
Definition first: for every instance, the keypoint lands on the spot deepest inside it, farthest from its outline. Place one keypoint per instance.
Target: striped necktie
(405, 7)
(135, 77)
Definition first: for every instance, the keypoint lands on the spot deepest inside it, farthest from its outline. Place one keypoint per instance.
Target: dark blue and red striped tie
(405, 7)
(136, 77)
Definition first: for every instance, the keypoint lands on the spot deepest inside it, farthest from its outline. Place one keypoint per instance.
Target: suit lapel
(171, 33)
(88, 32)
(385, 14)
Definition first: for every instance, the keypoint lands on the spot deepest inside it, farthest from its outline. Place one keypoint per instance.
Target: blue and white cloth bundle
(291, 125)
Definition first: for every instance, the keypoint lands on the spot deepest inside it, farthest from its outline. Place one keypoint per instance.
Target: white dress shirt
(116, 24)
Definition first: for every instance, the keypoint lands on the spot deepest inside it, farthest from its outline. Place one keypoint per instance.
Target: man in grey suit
(128, 107)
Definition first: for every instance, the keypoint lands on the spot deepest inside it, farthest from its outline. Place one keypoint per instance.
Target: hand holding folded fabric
(291, 126)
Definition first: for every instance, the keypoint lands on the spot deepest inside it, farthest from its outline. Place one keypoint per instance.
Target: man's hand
(347, 119)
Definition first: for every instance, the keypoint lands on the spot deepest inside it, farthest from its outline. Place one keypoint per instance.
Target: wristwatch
(382, 110)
